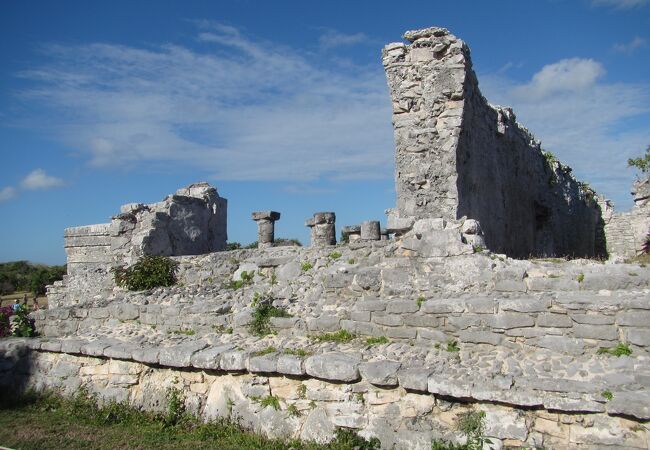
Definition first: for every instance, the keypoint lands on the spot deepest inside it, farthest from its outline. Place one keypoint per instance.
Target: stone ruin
(441, 324)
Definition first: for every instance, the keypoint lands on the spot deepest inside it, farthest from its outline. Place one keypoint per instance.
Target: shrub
(347, 438)
(621, 349)
(472, 425)
(233, 246)
(262, 314)
(339, 336)
(335, 255)
(306, 266)
(5, 327)
(149, 272)
(642, 163)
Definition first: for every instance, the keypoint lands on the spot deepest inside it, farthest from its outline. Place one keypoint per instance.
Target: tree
(642, 163)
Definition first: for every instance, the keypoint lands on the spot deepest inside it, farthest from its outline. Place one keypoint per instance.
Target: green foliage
(302, 391)
(187, 332)
(233, 246)
(472, 425)
(550, 157)
(222, 329)
(642, 163)
(21, 324)
(296, 352)
(262, 314)
(266, 351)
(420, 300)
(306, 266)
(25, 276)
(478, 249)
(607, 395)
(622, 349)
(347, 438)
(339, 336)
(282, 242)
(452, 346)
(351, 261)
(441, 445)
(335, 255)
(377, 340)
(245, 279)
(175, 406)
(149, 272)
(271, 400)
(292, 410)
(581, 277)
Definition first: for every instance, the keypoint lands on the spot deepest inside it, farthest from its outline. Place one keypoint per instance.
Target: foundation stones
(265, 227)
(323, 229)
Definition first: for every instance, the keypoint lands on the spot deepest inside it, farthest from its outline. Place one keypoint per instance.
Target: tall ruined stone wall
(459, 156)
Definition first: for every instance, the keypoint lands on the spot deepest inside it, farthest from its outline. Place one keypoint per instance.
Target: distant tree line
(25, 276)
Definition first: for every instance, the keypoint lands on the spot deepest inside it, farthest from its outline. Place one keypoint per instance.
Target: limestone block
(318, 427)
(415, 379)
(263, 364)
(551, 320)
(210, 357)
(636, 404)
(51, 346)
(370, 230)
(380, 373)
(604, 332)
(233, 360)
(333, 366)
(290, 365)
(180, 355)
(525, 305)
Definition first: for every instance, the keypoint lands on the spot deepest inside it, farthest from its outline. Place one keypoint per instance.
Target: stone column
(265, 227)
(323, 230)
(384, 234)
(352, 232)
(370, 230)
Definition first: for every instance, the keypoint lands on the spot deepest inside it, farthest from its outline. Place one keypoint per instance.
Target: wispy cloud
(38, 179)
(7, 193)
(333, 38)
(241, 109)
(587, 122)
(630, 47)
(620, 4)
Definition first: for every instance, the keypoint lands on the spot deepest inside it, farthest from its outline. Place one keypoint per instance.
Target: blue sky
(283, 105)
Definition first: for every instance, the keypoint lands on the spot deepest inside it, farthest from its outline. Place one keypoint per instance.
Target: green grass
(47, 421)
(296, 352)
(339, 336)
(620, 350)
(607, 395)
(452, 346)
(335, 255)
(377, 340)
(265, 351)
(306, 266)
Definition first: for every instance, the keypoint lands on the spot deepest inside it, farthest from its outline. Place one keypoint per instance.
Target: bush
(149, 272)
(264, 310)
(16, 322)
(642, 163)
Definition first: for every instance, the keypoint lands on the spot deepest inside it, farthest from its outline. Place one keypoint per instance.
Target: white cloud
(620, 4)
(38, 179)
(567, 75)
(7, 193)
(241, 109)
(587, 123)
(629, 47)
(333, 38)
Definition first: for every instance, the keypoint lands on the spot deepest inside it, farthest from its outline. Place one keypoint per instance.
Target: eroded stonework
(457, 156)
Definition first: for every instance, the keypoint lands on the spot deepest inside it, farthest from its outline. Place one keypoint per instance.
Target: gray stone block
(180, 355)
(120, 351)
(422, 320)
(400, 332)
(414, 379)
(371, 305)
(146, 355)
(602, 332)
(126, 312)
(368, 278)
(636, 404)
(285, 322)
(558, 344)
(263, 364)
(360, 316)
(480, 305)
(480, 337)
(638, 336)
(72, 345)
(593, 319)
(443, 306)
(234, 360)
(324, 323)
(511, 320)
(290, 365)
(380, 373)
(510, 286)
(210, 357)
(524, 305)
(333, 366)
(389, 320)
(432, 335)
(550, 320)
(402, 306)
(634, 318)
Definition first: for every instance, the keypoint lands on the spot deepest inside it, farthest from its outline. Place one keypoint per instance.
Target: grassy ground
(7, 300)
(52, 422)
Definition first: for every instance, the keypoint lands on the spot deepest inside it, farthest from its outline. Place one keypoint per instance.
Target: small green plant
(335, 255)
(262, 314)
(229, 405)
(581, 277)
(351, 261)
(478, 248)
(642, 163)
(274, 279)
(359, 397)
(472, 425)
(452, 346)
(622, 349)
(607, 395)
(175, 406)
(149, 272)
(19, 322)
(270, 400)
(266, 351)
(233, 246)
(187, 332)
(302, 391)
(296, 352)
(420, 300)
(246, 278)
(347, 438)
(222, 329)
(293, 411)
(306, 266)
(339, 336)
(377, 340)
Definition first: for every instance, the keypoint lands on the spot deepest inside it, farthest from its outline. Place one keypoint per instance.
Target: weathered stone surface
(180, 355)
(415, 379)
(636, 404)
(264, 363)
(333, 366)
(291, 365)
(210, 357)
(318, 427)
(381, 373)
(233, 360)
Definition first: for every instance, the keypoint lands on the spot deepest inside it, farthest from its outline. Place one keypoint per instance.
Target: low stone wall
(408, 415)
